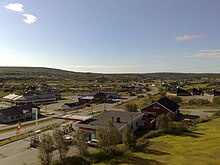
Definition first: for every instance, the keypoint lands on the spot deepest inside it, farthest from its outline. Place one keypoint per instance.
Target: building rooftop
(119, 118)
(169, 104)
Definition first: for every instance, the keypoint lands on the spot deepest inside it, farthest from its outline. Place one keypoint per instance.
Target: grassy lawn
(209, 106)
(141, 102)
(24, 125)
(202, 147)
(25, 135)
(198, 148)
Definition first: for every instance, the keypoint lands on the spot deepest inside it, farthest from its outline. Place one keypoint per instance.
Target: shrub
(202, 120)
(162, 122)
(133, 94)
(199, 102)
(131, 107)
(152, 133)
(216, 100)
(72, 160)
(142, 142)
(141, 96)
(177, 128)
(176, 99)
(216, 114)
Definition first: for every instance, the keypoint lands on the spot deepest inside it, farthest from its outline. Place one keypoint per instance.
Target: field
(140, 102)
(201, 147)
(198, 148)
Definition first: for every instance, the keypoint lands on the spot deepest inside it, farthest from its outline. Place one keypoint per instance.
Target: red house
(162, 106)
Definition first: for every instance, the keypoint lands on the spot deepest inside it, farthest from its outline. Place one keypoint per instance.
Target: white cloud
(189, 37)
(29, 19)
(17, 7)
(212, 53)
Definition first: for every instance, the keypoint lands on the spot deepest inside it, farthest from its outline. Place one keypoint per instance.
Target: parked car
(93, 143)
(69, 139)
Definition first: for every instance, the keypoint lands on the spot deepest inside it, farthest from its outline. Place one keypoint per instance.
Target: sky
(112, 36)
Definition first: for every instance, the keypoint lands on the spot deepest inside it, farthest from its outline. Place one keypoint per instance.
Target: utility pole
(36, 118)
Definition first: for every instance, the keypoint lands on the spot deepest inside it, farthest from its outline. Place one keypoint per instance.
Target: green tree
(60, 143)
(108, 137)
(162, 122)
(131, 107)
(216, 100)
(45, 149)
(81, 144)
(176, 99)
(128, 139)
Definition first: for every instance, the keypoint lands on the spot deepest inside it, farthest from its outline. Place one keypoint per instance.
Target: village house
(71, 106)
(197, 92)
(162, 106)
(119, 118)
(16, 113)
(35, 98)
(179, 92)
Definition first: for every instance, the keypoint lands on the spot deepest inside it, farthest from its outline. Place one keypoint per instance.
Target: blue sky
(111, 36)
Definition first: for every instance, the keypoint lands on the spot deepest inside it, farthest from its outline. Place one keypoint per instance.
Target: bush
(162, 122)
(176, 99)
(177, 128)
(199, 102)
(152, 133)
(133, 94)
(216, 114)
(72, 160)
(216, 100)
(141, 96)
(96, 157)
(131, 107)
(142, 142)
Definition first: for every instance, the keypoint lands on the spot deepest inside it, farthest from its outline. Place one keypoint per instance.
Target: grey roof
(169, 104)
(125, 118)
(12, 111)
(30, 96)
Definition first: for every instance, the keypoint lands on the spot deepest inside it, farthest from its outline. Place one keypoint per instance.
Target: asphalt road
(19, 153)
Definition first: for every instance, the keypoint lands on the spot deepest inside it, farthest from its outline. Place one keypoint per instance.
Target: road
(20, 153)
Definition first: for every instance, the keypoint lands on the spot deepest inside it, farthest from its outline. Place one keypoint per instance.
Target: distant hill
(36, 73)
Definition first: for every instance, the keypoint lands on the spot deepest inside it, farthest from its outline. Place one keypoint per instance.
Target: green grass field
(202, 147)
(141, 102)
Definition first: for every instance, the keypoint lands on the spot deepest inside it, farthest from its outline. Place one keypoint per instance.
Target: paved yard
(201, 113)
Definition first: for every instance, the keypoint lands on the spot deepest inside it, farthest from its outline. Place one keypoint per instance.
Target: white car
(93, 143)
(68, 139)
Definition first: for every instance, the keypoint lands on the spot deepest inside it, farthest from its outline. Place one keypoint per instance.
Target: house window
(152, 113)
(156, 106)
